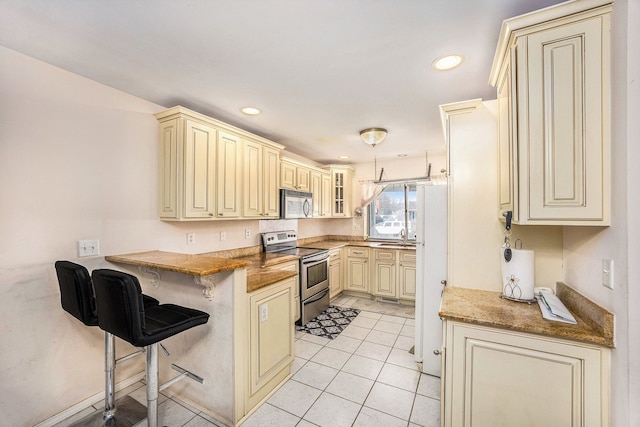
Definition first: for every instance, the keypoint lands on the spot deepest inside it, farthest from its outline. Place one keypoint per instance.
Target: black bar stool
(78, 299)
(121, 311)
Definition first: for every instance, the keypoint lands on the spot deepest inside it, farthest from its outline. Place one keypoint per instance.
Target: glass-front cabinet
(342, 179)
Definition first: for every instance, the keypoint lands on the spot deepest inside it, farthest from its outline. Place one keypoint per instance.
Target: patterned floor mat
(330, 322)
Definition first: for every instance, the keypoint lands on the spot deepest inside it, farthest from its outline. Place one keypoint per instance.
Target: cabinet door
(270, 178)
(335, 279)
(316, 192)
(385, 279)
(407, 280)
(498, 378)
(507, 166)
(358, 275)
(229, 175)
(325, 199)
(199, 170)
(271, 333)
(303, 179)
(567, 113)
(338, 194)
(252, 205)
(169, 161)
(287, 175)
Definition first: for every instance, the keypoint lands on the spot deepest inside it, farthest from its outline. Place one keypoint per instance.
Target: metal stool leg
(152, 385)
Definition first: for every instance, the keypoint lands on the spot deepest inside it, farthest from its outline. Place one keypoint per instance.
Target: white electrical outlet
(191, 238)
(88, 247)
(607, 273)
(264, 312)
(223, 236)
(247, 233)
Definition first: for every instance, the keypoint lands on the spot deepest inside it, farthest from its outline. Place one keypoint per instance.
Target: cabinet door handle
(210, 214)
(220, 214)
(437, 352)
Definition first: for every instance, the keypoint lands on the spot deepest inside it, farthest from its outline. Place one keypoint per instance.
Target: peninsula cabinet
(262, 171)
(494, 377)
(552, 73)
(201, 173)
(271, 331)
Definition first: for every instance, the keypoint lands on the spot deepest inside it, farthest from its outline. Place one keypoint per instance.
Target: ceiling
(320, 71)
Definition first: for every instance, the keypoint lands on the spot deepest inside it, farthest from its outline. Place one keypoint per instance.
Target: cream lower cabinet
(335, 272)
(293, 266)
(499, 378)
(385, 273)
(394, 274)
(357, 269)
(552, 72)
(271, 341)
(407, 278)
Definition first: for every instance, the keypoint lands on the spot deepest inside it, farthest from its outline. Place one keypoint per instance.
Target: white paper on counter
(553, 309)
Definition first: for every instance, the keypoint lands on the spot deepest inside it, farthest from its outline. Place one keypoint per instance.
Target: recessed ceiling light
(343, 157)
(250, 111)
(447, 62)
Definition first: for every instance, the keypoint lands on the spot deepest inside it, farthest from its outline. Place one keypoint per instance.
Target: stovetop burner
(285, 242)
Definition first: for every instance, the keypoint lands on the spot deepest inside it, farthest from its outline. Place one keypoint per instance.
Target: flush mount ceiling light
(373, 136)
(447, 62)
(250, 111)
(343, 157)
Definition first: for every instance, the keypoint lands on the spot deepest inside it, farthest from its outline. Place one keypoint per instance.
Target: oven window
(316, 274)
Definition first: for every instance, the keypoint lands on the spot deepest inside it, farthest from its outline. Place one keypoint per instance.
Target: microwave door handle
(305, 207)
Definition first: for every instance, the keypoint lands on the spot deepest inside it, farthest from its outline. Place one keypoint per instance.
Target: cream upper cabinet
(201, 174)
(321, 191)
(342, 181)
(261, 173)
(295, 176)
(552, 74)
(229, 177)
(187, 169)
(494, 377)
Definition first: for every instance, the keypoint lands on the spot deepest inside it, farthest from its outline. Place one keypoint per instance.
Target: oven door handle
(316, 297)
(315, 259)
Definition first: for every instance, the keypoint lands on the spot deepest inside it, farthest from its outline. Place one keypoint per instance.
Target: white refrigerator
(431, 272)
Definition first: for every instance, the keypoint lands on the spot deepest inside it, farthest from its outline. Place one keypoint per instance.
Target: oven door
(314, 274)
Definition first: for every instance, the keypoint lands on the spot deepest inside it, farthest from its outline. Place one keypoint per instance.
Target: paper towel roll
(518, 274)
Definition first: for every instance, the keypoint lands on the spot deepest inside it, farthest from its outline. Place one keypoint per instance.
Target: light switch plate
(88, 247)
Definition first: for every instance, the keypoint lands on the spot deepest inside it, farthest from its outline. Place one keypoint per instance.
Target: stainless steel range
(314, 271)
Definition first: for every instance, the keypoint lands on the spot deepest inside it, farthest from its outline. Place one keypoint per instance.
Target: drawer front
(385, 254)
(288, 266)
(334, 255)
(358, 252)
(408, 256)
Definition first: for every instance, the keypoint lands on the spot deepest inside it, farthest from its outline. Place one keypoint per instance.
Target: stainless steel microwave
(295, 204)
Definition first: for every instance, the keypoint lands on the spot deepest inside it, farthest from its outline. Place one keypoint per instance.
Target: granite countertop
(259, 273)
(595, 325)
(195, 265)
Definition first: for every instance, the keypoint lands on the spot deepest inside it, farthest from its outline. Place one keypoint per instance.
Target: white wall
(584, 248)
(78, 160)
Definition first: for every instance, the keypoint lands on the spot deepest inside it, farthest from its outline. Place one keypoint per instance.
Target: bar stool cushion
(121, 311)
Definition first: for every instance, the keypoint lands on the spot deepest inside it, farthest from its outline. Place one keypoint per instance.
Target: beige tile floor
(364, 378)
